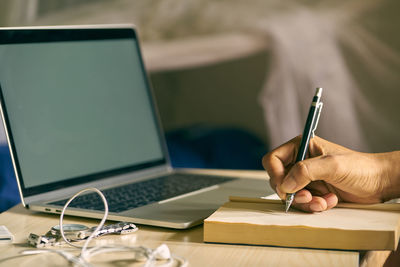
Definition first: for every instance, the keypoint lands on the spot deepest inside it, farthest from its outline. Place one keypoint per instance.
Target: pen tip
(289, 200)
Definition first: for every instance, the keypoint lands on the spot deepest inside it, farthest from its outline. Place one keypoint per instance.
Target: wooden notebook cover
(267, 224)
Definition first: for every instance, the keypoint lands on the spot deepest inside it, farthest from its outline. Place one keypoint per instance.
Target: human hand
(331, 173)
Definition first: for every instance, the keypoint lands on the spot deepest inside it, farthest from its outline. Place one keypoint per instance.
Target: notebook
(349, 226)
(78, 112)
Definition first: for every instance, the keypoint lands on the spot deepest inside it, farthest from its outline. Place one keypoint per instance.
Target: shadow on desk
(394, 258)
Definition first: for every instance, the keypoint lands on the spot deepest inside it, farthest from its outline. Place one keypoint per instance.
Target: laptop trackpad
(191, 210)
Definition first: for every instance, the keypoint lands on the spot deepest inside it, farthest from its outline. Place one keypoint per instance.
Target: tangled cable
(141, 253)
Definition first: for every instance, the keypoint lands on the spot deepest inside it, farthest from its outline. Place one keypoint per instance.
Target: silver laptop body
(78, 112)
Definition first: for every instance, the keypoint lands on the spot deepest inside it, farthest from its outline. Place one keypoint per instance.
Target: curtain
(352, 50)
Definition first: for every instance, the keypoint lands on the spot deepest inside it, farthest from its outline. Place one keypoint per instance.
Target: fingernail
(289, 185)
(280, 193)
(315, 207)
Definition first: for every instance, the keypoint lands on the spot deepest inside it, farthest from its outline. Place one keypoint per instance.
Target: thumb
(306, 171)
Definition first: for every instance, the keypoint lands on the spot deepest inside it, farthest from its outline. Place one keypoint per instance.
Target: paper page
(274, 214)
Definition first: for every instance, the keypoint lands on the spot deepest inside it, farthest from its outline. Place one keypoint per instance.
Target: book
(264, 222)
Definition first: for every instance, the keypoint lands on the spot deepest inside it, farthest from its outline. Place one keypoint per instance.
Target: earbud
(162, 252)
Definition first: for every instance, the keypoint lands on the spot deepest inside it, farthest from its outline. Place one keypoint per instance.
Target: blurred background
(233, 79)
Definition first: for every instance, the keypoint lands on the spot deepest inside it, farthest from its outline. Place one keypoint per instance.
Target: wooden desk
(185, 243)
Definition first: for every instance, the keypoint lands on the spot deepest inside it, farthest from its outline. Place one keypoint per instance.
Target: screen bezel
(60, 34)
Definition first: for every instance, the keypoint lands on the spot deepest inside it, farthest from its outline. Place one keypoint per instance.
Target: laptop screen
(77, 105)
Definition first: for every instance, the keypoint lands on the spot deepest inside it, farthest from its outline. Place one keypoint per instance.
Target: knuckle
(301, 170)
(297, 139)
(266, 160)
(335, 162)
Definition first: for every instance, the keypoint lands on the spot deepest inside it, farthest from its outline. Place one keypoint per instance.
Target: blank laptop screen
(77, 108)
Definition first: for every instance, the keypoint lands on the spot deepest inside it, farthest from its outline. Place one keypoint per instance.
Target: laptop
(78, 112)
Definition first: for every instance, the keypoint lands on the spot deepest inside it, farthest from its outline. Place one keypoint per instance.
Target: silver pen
(308, 133)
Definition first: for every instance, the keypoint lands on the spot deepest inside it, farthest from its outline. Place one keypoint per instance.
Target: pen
(308, 133)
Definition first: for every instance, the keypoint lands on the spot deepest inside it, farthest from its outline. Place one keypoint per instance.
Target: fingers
(315, 203)
(331, 200)
(302, 197)
(306, 171)
(278, 161)
(287, 177)
(281, 194)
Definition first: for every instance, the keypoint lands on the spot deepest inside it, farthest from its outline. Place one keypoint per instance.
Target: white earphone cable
(150, 256)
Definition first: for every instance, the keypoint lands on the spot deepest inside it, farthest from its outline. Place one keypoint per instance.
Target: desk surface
(185, 243)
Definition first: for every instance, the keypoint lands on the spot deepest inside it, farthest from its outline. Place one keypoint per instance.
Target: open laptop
(79, 112)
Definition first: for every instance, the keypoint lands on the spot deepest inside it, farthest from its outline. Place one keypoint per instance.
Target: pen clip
(316, 119)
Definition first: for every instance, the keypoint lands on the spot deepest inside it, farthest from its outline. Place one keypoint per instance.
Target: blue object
(9, 194)
(215, 148)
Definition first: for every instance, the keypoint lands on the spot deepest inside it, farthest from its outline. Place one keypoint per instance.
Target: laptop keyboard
(138, 194)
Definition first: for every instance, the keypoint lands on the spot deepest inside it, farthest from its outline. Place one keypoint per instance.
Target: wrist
(390, 174)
